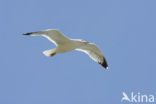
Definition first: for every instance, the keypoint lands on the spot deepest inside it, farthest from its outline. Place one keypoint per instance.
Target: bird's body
(65, 44)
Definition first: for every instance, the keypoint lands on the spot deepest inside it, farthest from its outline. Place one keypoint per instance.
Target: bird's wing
(94, 52)
(53, 35)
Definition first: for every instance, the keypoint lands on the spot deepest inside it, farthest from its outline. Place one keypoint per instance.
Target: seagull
(64, 44)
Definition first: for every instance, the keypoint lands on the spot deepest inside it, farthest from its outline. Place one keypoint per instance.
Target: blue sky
(125, 31)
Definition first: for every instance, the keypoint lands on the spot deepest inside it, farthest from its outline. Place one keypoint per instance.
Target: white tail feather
(49, 52)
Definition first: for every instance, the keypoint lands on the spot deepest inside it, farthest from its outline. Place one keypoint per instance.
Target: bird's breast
(65, 48)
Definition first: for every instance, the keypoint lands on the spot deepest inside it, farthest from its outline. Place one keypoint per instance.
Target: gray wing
(53, 35)
(94, 53)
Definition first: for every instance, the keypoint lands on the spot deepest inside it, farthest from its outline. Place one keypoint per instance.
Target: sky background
(124, 30)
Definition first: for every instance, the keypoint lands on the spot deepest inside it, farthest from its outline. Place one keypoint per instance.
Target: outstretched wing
(53, 35)
(94, 52)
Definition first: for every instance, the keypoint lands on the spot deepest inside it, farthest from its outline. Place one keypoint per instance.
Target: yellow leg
(52, 54)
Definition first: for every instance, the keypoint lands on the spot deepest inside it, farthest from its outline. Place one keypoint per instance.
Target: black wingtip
(104, 64)
(30, 33)
(27, 33)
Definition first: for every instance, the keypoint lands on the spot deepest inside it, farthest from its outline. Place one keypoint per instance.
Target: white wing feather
(53, 35)
(94, 53)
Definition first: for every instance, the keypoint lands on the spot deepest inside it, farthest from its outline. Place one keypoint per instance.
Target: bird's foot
(52, 54)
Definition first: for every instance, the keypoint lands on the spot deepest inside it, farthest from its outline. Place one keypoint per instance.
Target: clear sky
(125, 31)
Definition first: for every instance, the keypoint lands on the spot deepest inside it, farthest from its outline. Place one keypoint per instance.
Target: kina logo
(137, 98)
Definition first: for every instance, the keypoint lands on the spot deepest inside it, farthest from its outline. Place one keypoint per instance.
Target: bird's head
(85, 42)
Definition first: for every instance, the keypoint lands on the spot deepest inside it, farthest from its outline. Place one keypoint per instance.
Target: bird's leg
(52, 54)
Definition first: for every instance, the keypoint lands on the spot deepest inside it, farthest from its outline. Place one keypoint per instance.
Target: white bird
(65, 44)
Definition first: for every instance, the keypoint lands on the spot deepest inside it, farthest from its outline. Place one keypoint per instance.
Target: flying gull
(65, 44)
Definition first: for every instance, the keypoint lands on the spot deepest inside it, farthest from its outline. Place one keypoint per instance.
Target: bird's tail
(49, 52)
